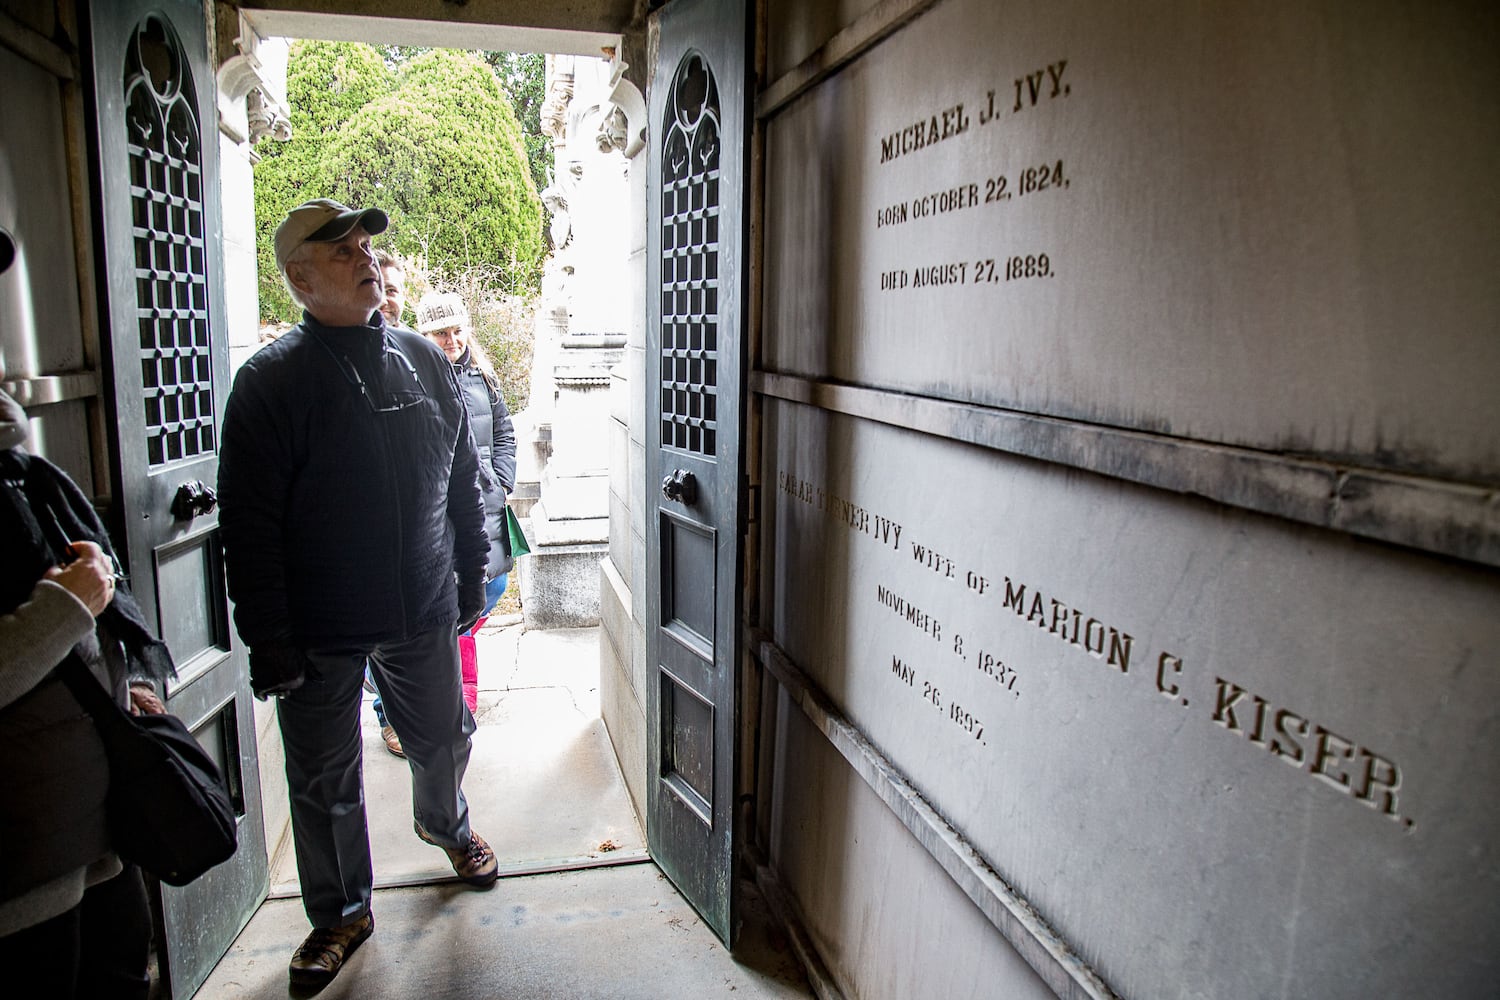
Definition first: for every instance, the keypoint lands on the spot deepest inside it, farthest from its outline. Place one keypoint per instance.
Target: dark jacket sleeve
(503, 451)
(255, 464)
(465, 503)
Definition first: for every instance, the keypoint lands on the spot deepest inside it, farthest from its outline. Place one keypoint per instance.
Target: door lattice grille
(690, 260)
(171, 272)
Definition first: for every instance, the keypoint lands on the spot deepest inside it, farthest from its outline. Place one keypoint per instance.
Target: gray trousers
(419, 680)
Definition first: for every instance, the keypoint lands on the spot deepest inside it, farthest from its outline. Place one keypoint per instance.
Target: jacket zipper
(400, 535)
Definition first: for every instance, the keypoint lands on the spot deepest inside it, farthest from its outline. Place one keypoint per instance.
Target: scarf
(41, 511)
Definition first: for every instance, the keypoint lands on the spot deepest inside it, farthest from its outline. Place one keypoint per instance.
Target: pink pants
(468, 659)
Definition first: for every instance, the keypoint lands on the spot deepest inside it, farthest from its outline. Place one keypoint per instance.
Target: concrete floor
(545, 791)
(602, 934)
(543, 786)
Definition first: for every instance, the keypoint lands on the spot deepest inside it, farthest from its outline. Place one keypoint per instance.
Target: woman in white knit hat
(442, 317)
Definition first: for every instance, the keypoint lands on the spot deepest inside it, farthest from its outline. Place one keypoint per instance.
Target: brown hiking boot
(474, 863)
(392, 741)
(323, 953)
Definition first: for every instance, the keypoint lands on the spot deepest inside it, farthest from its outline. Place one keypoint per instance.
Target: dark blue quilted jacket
(348, 488)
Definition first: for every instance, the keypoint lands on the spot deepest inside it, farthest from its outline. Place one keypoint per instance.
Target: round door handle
(681, 486)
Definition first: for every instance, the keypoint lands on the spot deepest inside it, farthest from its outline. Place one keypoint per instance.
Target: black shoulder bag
(168, 809)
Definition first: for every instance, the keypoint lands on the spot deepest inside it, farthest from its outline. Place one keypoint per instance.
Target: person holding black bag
(72, 916)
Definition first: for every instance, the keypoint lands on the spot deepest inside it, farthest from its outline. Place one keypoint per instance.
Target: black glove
(276, 667)
(471, 598)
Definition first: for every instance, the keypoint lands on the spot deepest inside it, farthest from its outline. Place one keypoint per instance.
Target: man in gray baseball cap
(353, 534)
(323, 220)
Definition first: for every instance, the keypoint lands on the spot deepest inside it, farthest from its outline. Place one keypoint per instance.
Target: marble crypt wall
(1018, 260)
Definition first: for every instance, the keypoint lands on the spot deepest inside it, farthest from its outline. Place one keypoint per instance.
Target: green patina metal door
(696, 281)
(155, 136)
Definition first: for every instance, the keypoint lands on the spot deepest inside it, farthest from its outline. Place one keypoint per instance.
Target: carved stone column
(251, 90)
(581, 325)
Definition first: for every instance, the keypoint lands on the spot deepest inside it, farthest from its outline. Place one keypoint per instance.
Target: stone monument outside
(580, 336)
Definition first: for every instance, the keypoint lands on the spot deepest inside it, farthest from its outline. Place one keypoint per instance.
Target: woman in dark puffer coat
(442, 317)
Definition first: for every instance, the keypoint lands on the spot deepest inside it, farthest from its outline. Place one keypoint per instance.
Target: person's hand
(143, 701)
(276, 667)
(471, 600)
(89, 577)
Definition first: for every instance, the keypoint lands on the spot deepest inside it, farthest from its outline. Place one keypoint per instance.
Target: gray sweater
(34, 638)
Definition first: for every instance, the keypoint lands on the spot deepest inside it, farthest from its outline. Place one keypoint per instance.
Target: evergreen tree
(434, 142)
(327, 83)
(523, 77)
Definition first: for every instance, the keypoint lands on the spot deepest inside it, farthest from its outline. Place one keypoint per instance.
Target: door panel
(695, 269)
(161, 302)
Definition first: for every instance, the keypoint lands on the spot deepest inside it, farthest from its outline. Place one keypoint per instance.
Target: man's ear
(294, 276)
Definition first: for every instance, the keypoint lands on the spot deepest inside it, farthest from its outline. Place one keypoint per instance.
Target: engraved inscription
(1070, 625)
(925, 132)
(997, 187)
(1291, 736)
(1031, 88)
(966, 721)
(940, 274)
(1034, 179)
(1032, 265)
(1301, 743)
(929, 693)
(998, 670)
(928, 205)
(904, 673)
(939, 564)
(801, 489)
(1045, 84)
(851, 515)
(964, 272)
(914, 616)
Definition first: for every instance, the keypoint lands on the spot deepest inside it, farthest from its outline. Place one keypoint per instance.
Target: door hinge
(750, 494)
